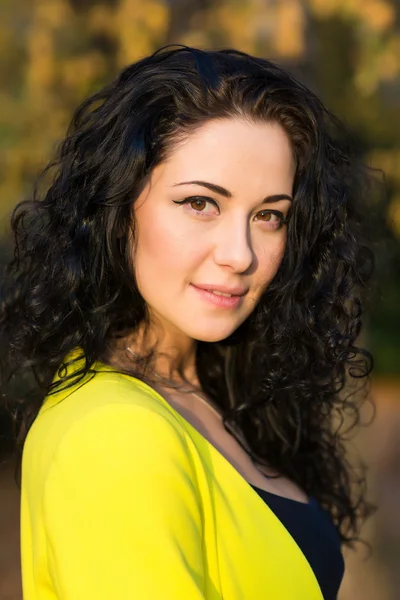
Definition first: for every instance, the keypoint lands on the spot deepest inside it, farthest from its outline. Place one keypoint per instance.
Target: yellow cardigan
(123, 499)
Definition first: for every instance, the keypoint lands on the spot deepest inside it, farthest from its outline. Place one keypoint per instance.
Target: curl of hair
(282, 379)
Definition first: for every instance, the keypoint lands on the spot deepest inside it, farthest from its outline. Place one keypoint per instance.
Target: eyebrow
(224, 192)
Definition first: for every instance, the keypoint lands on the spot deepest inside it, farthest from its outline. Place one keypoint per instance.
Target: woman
(186, 294)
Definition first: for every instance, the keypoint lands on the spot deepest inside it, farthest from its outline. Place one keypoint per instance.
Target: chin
(211, 334)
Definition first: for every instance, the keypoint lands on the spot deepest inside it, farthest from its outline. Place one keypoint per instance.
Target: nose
(233, 246)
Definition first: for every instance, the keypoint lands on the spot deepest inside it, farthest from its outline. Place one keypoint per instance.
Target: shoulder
(122, 461)
(110, 415)
(123, 433)
(104, 392)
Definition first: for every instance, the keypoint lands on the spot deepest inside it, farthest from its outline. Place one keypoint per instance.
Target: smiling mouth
(222, 293)
(222, 290)
(222, 300)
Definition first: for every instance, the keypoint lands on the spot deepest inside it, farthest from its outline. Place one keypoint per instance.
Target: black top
(313, 530)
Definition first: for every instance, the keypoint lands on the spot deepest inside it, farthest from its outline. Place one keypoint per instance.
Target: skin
(236, 243)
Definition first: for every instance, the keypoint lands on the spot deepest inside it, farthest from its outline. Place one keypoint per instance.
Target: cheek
(159, 250)
(279, 252)
(269, 259)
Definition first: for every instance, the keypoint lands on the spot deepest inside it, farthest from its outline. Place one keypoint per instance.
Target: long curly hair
(288, 380)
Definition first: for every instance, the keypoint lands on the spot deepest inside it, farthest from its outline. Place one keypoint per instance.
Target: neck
(174, 356)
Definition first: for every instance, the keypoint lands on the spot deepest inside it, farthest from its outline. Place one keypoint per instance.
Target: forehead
(230, 151)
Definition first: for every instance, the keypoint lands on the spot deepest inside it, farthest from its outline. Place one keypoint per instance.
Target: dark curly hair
(288, 378)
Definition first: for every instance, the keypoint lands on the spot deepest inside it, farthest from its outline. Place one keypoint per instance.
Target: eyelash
(190, 199)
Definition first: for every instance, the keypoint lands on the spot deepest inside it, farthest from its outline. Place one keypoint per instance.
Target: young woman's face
(210, 218)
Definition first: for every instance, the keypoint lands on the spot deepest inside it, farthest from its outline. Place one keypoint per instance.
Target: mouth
(222, 293)
(222, 290)
(220, 298)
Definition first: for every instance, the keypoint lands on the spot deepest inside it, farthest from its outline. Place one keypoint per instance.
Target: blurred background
(56, 52)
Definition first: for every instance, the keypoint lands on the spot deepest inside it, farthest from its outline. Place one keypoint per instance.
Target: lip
(228, 302)
(235, 291)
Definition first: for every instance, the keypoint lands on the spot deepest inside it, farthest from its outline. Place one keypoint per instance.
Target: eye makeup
(274, 218)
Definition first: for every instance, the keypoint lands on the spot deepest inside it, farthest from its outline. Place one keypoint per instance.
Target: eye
(198, 205)
(274, 219)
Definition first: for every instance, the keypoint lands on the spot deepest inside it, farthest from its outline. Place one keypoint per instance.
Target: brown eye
(274, 218)
(266, 216)
(198, 203)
